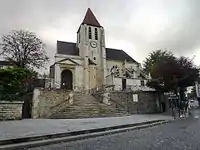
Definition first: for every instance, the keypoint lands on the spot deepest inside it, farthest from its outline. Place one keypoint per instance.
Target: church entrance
(66, 80)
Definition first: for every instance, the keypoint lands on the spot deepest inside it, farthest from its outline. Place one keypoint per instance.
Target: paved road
(178, 135)
(38, 127)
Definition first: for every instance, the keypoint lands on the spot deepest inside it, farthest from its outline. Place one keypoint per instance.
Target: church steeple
(90, 19)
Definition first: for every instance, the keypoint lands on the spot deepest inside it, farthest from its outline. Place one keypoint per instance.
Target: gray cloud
(146, 25)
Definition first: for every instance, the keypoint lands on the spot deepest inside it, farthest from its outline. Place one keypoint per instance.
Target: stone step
(88, 110)
(84, 110)
(63, 116)
(85, 106)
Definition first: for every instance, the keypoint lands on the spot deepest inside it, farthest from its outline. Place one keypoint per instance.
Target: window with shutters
(90, 33)
(96, 34)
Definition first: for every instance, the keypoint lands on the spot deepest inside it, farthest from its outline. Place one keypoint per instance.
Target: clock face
(93, 44)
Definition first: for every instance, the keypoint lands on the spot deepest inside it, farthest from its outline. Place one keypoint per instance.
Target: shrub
(15, 82)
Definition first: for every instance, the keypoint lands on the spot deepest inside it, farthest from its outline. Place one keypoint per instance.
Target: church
(87, 64)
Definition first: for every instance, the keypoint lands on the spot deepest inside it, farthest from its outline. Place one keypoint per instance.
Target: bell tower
(91, 44)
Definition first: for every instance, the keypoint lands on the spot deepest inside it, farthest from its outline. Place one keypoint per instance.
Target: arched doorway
(66, 80)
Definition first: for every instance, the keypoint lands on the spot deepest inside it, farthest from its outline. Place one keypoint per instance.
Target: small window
(142, 82)
(96, 34)
(94, 58)
(79, 38)
(135, 98)
(90, 33)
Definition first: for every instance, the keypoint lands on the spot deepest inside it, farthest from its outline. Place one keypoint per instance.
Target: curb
(37, 141)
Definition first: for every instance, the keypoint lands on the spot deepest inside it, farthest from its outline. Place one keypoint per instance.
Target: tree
(156, 57)
(24, 49)
(170, 73)
(188, 74)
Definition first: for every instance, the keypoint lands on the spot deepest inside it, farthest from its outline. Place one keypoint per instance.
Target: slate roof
(68, 48)
(116, 54)
(90, 19)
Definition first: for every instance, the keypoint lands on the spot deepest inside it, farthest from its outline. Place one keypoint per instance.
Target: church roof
(120, 55)
(68, 48)
(90, 19)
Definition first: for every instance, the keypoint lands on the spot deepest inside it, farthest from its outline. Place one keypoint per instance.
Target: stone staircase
(85, 106)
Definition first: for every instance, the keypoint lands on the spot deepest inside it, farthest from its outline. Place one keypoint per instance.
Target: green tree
(170, 73)
(24, 49)
(154, 58)
(15, 82)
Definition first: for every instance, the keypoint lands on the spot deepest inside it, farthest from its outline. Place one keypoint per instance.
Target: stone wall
(47, 102)
(131, 102)
(10, 110)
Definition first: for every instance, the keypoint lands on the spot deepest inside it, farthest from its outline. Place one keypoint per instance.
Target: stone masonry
(10, 110)
(131, 102)
(46, 102)
(60, 104)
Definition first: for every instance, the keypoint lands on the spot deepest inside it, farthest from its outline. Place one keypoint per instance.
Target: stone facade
(71, 63)
(92, 65)
(132, 102)
(10, 110)
(47, 102)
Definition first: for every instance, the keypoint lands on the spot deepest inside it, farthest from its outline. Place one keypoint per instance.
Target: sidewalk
(40, 127)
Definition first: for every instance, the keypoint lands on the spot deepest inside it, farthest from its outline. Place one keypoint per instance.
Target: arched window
(90, 33)
(96, 34)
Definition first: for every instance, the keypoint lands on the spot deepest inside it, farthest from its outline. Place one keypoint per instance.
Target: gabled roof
(90, 19)
(67, 48)
(116, 54)
(61, 61)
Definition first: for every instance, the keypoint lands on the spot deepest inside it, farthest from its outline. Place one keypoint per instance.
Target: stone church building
(88, 64)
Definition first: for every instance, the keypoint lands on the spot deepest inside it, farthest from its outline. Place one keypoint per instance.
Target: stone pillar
(35, 102)
(86, 74)
(104, 66)
(57, 77)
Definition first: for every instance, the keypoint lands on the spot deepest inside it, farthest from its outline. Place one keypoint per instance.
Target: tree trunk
(182, 93)
(159, 101)
(182, 98)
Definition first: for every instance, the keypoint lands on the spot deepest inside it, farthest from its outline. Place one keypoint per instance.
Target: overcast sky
(136, 26)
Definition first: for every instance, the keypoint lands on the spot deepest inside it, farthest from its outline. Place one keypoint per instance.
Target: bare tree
(23, 49)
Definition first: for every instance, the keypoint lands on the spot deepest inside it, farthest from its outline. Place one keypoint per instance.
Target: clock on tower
(93, 44)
